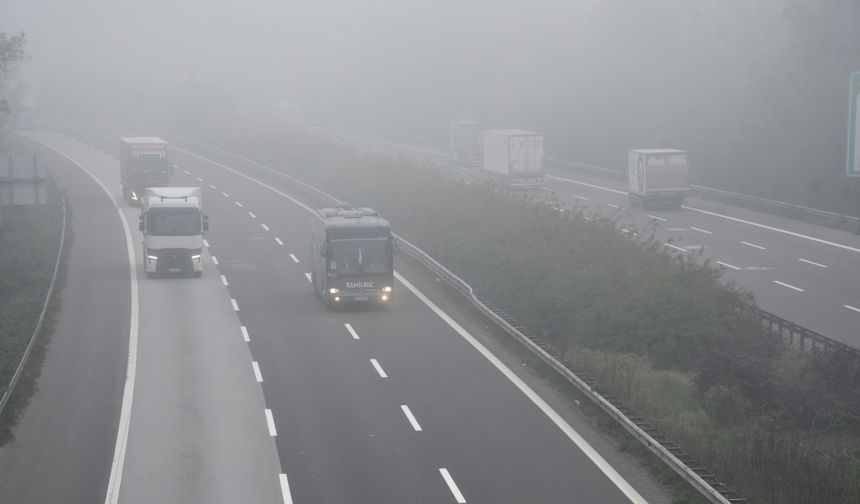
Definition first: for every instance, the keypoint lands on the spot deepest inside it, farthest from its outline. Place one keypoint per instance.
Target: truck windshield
(360, 256)
(173, 222)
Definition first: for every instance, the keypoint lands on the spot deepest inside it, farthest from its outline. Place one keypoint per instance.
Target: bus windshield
(360, 256)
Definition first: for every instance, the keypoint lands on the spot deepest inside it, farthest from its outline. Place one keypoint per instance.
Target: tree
(11, 53)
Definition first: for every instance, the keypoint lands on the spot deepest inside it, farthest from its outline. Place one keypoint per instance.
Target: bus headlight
(387, 288)
(333, 290)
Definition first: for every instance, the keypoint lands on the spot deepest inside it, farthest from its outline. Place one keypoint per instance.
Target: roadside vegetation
(665, 333)
(29, 237)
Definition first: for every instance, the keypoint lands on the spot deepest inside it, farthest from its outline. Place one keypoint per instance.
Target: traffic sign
(853, 169)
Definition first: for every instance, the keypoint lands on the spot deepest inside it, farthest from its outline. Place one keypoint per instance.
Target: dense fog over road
(756, 91)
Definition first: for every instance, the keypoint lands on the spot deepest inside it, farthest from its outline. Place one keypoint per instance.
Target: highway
(246, 389)
(804, 273)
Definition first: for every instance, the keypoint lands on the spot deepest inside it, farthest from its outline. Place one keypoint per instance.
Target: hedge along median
(662, 331)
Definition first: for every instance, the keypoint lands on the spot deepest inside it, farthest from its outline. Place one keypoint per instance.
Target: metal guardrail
(14, 381)
(798, 336)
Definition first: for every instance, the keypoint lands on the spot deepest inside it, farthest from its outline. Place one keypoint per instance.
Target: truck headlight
(385, 297)
(387, 288)
(333, 290)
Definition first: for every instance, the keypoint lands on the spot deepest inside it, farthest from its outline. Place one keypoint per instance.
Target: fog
(756, 91)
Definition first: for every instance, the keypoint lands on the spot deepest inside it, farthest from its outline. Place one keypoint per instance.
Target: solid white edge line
(798, 289)
(753, 245)
(701, 230)
(351, 331)
(224, 281)
(294, 258)
(214, 260)
(308, 276)
(807, 261)
(245, 335)
(270, 422)
(285, 489)
(727, 265)
(278, 241)
(252, 215)
(574, 436)
(235, 304)
(547, 410)
(852, 308)
(411, 417)
(264, 227)
(661, 219)
(118, 461)
(676, 247)
(257, 374)
(458, 496)
(378, 368)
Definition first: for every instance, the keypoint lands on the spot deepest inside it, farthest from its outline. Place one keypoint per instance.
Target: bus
(352, 256)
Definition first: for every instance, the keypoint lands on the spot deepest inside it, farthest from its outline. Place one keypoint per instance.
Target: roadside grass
(666, 333)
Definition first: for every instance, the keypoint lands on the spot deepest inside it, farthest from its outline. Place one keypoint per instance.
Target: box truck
(515, 157)
(657, 177)
(173, 223)
(143, 163)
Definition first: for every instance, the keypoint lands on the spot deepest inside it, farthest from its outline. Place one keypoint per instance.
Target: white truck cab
(173, 223)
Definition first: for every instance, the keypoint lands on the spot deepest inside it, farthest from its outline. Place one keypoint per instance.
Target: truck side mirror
(205, 223)
(140, 222)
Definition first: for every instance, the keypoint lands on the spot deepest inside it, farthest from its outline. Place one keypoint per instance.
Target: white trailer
(657, 177)
(173, 223)
(515, 157)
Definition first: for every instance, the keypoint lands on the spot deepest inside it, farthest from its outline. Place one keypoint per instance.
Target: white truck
(657, 177)
(173, 223)
(515, 157)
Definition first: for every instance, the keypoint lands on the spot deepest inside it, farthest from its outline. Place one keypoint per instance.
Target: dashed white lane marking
(351, 331)
(701, 230)
(238, 204)
(245, 335)
(593, 186)
(411, 418)
(214, 260)
(807, 261)
(308, 276)
(212, 186)
(224, 281)
(676, 229)
(753, 245)
(727, 265)
(264, 227)
(583, 198)
(252, 215)
(294, 258)
(589, 219)
(625, 230)
(452, 486)
(679, 249)
(200, 179)
(257, 374)
(278, 240)
(187, 172)
(206, 243)
(270, 421)
(661, 219)
(235, 304)
(610, 205)
(285, 489)
(378, 368)
(798, 289)
(852, 308)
